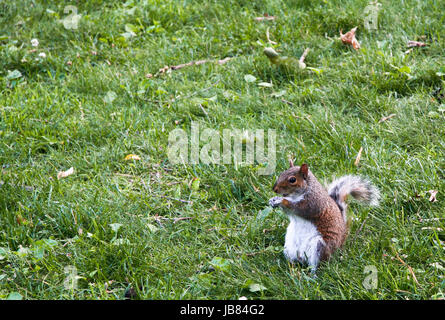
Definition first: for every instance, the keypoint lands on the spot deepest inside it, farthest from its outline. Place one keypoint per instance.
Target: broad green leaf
(110, 97)
(221, 263)
(249, 78)
(252, 286)
(152, 227)
(13, 75)
(14, 296)
(4, 252)
(433, 114)
(131, 28)
(23, 251)
(195, 184)
(255, 287)
(405, 69)
(264, 213)
(278, 94)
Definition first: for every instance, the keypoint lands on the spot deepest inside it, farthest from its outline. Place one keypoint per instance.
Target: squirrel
(318, 223)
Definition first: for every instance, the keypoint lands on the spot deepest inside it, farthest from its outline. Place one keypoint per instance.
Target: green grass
(53, 117)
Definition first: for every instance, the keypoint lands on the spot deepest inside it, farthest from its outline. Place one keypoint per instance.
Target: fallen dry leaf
(265, 17)
(412, 44)
(163, 70)
(132, 157)
(64, 174)
(268, 37)
(188, 64)
(359, 155)
(433, 195)
(303, 56)
(349, 38)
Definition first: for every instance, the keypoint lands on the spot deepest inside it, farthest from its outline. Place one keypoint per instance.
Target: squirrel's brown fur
(305, 197)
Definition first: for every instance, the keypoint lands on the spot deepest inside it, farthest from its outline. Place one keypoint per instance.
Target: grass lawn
(88, 95)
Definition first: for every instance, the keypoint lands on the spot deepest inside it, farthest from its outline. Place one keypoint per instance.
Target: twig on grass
(412, 44)
(188, 64)
(406, 265)
(359, 229)
(387, 117)
(268, 37)
(159, 218)
(265, 17)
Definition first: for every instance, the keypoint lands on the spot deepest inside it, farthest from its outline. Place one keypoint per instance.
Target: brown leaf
(265, 17)
(64, 174)
(359, 155)
(349, 38)
(412, 44)
(433, 195)
(163, 70)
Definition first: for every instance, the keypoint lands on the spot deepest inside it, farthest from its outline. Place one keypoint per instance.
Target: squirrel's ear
(291, 163)
(304, 170)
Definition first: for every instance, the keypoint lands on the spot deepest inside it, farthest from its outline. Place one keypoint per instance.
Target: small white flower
(42, 55)
(34, 42)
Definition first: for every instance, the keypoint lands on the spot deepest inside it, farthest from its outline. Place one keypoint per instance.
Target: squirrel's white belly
(303, 241)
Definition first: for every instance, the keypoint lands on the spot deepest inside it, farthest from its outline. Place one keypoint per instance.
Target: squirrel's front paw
(275, 201)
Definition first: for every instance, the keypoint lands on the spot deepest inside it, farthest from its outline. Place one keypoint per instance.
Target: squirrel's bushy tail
(361, 189)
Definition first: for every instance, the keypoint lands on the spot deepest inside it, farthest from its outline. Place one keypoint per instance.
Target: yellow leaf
(132, 157)
(359, 155)
(64, 174)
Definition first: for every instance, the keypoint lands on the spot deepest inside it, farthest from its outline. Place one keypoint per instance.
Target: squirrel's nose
(274, 188)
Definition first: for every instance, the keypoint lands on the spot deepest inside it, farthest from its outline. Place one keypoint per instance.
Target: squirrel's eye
(292, 179)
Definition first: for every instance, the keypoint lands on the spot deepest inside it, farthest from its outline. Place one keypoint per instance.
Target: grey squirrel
(318, 222)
